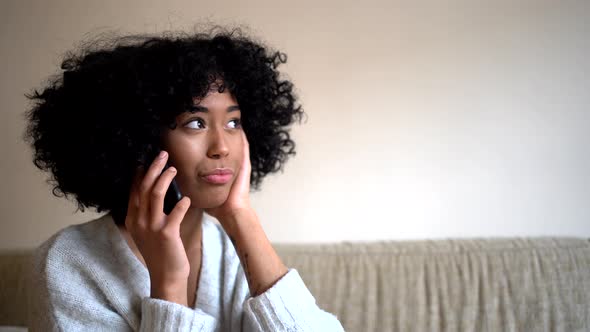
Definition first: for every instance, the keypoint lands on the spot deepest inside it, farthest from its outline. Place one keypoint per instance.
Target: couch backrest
(518, 284)
(535, 284)
(13, 266)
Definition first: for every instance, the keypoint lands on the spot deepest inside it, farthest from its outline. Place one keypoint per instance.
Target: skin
(170, 245)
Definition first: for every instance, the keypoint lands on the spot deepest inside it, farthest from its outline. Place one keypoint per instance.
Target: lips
(218, 176)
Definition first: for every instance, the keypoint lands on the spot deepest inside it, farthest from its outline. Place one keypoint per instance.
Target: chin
(208, 201)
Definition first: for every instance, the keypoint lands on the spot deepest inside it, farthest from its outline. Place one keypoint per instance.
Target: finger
(246, 167)
(159, 193)
(148, 181)
(177, 214)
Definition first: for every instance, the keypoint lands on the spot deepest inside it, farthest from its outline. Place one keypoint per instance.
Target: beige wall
(426, 120)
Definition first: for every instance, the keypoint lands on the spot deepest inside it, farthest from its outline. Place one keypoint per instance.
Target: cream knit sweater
(86, 278)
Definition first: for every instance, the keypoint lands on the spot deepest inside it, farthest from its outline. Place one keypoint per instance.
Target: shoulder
(72, 251)
(77, 279)
(74, 239)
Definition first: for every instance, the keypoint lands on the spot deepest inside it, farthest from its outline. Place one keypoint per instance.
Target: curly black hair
(101, 117)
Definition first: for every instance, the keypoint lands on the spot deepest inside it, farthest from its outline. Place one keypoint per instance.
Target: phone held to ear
(173, 194)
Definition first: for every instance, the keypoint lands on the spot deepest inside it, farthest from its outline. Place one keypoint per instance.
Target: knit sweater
(86, 278)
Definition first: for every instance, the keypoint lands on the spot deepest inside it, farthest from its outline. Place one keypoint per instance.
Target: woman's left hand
(238, 200)
(262, 266)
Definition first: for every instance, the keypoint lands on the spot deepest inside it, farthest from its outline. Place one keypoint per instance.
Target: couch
(493, 284)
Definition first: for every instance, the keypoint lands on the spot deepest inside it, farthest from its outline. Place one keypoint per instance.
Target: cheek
(237, 147)
(185, 152)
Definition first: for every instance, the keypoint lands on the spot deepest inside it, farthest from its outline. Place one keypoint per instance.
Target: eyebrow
(197, 108)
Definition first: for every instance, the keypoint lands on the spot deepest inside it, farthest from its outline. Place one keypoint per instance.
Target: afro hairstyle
(100, 118)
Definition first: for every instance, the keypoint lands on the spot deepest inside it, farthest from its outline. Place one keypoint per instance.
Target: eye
(235, 123)
(195, 124)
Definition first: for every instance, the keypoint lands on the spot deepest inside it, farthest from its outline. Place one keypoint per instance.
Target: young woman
(213, 107)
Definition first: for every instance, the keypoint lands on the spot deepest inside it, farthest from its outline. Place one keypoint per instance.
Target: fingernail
(162, 154)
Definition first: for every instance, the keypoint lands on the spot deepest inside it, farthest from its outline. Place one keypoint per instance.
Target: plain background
(426, 119)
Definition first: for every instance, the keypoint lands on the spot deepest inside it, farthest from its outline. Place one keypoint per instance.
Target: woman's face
(206, 149)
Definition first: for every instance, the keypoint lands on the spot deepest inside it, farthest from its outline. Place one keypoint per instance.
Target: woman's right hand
(157, 235)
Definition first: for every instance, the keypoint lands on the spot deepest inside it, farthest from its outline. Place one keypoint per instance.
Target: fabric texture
(13, 287)
(476, 284)
(85, 277)
(479, 285)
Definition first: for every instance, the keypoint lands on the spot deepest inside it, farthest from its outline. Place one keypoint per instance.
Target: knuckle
(153, 228)
(138, 225)
(143, 187)
(157, 193)
(168, 233)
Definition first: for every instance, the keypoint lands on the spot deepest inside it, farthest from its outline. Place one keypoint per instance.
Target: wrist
(239, 220)
(170, 293)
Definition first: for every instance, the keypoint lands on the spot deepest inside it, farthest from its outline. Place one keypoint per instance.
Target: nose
(217, 148)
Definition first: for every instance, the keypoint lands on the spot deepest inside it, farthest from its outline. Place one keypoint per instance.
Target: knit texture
(87, 278)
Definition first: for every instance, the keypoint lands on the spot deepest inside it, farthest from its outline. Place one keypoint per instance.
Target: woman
(214, 108)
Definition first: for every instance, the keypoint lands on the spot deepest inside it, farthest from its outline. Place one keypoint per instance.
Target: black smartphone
(173, 194)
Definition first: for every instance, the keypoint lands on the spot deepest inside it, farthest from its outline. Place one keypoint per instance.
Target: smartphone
(173, 194)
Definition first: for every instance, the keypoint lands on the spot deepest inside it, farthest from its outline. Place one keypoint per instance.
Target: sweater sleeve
(160, 315)
(65, 312)
(64, 296)
(287, 306)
